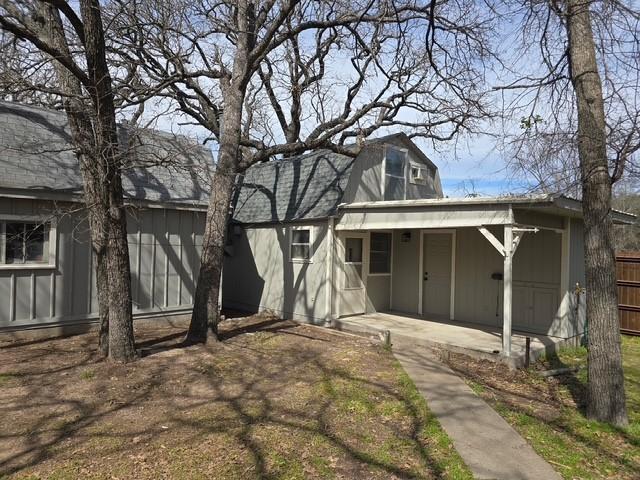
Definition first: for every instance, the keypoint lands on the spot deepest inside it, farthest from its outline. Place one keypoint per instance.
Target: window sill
(379, 274)
(27, 266)
(299, 260)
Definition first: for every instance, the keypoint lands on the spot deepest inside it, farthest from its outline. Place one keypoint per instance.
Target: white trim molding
(52, 242)
(293, 228)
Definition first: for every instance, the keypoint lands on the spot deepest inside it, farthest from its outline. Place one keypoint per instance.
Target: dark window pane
(26, 242)
(300, 236)
(353, 250)
(34, 243)
(380, 255)
(380, 241)
(300, 252)
(394, 188)
(394, 162)
(14, 241)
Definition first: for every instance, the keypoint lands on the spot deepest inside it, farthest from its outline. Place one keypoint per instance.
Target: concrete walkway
(490, 447)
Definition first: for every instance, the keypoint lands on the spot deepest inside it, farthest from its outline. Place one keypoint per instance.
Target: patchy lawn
(548, 412)
(274, 400)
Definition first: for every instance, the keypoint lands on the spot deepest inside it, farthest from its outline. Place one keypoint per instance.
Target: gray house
(46, 265)
(329, 239)
(365, 242)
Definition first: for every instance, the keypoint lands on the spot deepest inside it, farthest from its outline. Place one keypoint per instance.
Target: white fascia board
(423, 218)
(533, 200)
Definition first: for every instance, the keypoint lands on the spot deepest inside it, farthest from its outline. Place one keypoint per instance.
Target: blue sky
(474, 165)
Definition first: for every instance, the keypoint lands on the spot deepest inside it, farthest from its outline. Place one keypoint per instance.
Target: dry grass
(273, 400)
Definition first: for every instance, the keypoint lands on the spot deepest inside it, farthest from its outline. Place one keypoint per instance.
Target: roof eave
(564, 204)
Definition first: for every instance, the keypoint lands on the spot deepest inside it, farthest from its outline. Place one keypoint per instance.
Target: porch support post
(329, 281)
(508, 290)
(566, 309)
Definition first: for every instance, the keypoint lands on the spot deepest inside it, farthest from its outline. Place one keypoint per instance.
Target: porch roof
(465, 212)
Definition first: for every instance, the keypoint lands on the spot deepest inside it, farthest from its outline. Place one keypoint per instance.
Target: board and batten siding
(478, 297)
(164, 250)
(259, 276)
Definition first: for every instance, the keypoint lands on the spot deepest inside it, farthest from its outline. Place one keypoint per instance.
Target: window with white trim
(25, 243)
(300, 249)
(380, 253)
(395, 184)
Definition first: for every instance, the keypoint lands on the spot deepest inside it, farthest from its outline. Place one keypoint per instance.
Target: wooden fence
(628, 275)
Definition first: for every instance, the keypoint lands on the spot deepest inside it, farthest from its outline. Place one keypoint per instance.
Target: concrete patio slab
(470, 339)
(489, 446)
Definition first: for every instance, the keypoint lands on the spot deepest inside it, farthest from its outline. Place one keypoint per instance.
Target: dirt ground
(273, 400)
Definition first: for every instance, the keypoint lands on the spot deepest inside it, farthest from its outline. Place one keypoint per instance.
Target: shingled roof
(36, 154)
(305, 187)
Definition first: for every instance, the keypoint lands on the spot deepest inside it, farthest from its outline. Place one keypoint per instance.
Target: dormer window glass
(395, 164)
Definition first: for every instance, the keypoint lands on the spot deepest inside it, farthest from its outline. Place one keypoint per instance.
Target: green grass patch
(575, 446)
(6, 378)
(286, 467)
(88, 375)
(322, 466)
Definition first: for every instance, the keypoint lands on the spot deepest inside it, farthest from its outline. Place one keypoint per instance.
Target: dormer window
(395, 164)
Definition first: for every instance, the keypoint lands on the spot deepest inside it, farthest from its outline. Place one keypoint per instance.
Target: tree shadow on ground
(273, 396)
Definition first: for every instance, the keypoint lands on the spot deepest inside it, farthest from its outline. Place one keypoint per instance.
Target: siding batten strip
(181, 272)
(138, 276)
(52, 294)
(90, 286)
(194, 275)
(32, 302)
(12, 299)
(153, 270)
(166, 260)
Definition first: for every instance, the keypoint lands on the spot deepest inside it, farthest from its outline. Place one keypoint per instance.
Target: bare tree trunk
(121, 338)
(102, 287)
(606, 397)
(96, 139)
(204, 319)
(205, 315)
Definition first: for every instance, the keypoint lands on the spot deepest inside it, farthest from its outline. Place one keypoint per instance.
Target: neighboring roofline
(559, 201)
(161, 133)
(59, 196)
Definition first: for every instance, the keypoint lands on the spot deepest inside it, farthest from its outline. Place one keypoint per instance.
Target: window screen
(380, 253)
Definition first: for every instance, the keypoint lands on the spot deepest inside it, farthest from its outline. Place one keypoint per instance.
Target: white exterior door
(354, 255)
(436, 274)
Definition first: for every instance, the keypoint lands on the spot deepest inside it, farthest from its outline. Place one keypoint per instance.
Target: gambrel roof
(36, 153)
(309, 186)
